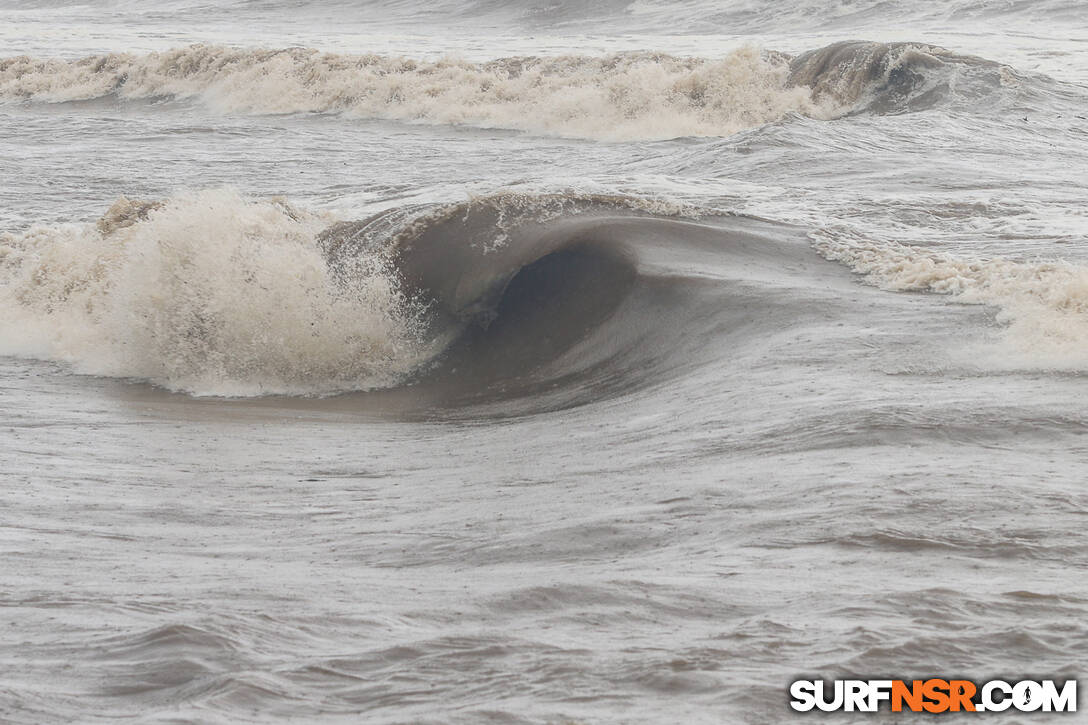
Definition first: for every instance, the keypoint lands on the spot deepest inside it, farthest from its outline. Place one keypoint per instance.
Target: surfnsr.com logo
(933, 696)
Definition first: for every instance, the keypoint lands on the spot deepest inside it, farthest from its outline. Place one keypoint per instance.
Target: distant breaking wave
(618, 97)
(621, 97)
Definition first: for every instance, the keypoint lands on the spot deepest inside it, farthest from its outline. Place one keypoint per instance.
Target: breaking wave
(506, 295)
(556, 298)
(626, 96)
(616, 97)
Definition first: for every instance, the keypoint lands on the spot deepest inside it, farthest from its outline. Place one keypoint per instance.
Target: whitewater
(537, 362)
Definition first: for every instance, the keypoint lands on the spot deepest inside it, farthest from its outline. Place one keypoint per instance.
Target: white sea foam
(1043, 305)
(206, 293)
(625, 96)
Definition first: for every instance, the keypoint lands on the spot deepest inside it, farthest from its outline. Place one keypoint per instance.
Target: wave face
(888, 78)
(557, 300)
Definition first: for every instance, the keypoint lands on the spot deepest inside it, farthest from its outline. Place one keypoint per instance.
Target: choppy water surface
(536, 362)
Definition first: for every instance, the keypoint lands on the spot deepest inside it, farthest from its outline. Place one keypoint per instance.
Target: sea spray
(207, 293)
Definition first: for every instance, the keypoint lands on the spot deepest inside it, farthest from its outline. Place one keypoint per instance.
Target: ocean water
(537, 362)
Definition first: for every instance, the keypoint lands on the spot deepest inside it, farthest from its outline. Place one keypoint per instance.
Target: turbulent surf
(536, 362)
(624, 96)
